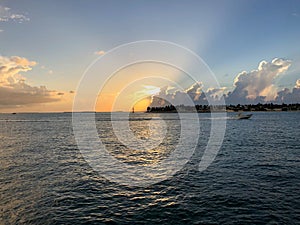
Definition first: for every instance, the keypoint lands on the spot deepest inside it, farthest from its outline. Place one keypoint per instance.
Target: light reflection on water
(254, 179)
(140, 127)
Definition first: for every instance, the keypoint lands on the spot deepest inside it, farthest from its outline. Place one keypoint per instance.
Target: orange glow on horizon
(141, 106)
(105, 103)
(134, 86)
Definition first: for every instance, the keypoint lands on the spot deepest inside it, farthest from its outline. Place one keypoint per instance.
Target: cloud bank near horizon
(14, 90)
(256, 86)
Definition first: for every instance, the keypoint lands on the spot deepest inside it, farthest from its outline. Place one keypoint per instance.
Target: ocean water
(254, 179)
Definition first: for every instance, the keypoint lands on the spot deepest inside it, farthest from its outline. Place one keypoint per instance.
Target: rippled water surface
(255, 177)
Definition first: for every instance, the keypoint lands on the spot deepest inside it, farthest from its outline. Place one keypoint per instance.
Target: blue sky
(230, 35)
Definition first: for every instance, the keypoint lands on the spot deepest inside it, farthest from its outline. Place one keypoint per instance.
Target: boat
(241, 116)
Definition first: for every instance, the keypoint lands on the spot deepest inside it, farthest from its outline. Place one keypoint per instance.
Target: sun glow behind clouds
(135, 85)
(148, 91)
(151, 90)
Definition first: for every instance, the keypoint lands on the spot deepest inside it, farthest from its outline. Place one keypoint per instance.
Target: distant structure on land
(228, 108)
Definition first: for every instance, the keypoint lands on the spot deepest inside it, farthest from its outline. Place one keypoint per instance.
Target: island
(227, 108)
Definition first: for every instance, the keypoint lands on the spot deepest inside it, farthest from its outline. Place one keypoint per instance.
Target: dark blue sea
(254, 179)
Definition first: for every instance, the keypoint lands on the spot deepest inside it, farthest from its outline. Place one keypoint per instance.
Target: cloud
(14, 91)
(252, 87)
(6, 14)
(297, 84)
(11, 67)
(101, 52)
(1, 30)
(287, 96)
(195, 91)
(258, 85)
(49, 71)
(172, 95)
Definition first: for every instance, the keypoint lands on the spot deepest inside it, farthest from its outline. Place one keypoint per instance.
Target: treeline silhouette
(235, 108)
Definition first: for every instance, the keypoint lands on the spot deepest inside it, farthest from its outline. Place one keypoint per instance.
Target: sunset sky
(252, 47)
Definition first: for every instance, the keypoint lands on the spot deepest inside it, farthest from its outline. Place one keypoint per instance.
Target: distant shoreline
(269, 107)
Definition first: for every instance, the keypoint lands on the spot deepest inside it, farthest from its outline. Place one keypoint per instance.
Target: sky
(252, 47)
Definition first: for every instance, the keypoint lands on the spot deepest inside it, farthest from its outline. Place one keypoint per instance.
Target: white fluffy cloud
(252, 87)
(258, 85)
(14, 91)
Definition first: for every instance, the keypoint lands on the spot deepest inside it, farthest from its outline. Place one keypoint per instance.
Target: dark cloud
(287, 96)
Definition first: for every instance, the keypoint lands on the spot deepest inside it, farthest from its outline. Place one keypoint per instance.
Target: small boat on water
(241, 116)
